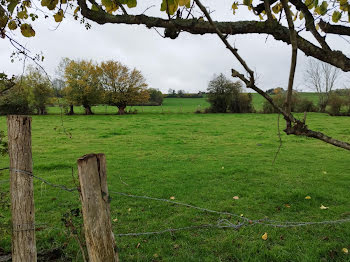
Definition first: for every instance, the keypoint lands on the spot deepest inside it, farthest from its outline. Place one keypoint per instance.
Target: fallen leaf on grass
(345, 250)
(323, 207)
(308, 197)
(236, 197)
(241, 215)
(264, 236)
(287, 205)
(129, 209)
(138, 245)
(325, 172)
(155, 255)
(115, 220)
(172, 198)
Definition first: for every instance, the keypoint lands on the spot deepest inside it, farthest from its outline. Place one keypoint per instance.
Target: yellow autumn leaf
(345, 250)
(308, 197)
(234, 7)
(27, 30)
(184, 2)
(264, 236)
(77, 10)
(59, 16)
(12, 25)
(323, 207)
(287, 205)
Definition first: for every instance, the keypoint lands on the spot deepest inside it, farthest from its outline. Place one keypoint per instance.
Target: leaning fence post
(95, 207)
(21, 188)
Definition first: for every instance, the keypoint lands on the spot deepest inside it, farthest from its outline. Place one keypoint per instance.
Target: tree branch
(334, 29)
(310, 23)
(293, 39)
(194, 26)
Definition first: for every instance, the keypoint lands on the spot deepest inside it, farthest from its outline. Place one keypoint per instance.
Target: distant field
(175, 105)
(203, 160)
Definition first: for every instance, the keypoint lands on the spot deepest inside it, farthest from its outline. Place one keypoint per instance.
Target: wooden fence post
(21, 189)
(95, 207)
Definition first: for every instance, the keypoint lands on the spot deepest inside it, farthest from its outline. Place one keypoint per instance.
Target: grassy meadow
(199, 159)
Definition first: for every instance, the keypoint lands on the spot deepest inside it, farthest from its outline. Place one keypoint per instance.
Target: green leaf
(11, 6)
(336, 16)
(12, 25)
(309, 3)
(94, 7)
(132, 3)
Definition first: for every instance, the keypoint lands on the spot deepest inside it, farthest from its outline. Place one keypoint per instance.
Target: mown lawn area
(203, 160)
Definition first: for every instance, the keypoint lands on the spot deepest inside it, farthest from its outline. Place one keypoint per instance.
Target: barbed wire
(43, 180)
(221, 223)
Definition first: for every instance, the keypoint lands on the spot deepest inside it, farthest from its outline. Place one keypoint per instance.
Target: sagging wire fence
(221, 223)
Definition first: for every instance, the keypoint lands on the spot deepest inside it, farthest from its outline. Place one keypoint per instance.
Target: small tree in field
(40, 90)
(226, 96)
(83, 85)
(14, 97)
(321, 77)
(122, 86)
(155, 96)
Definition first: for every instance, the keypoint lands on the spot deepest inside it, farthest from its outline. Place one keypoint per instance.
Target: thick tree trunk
(121, 110)
(88, 110)
(95, 208)
(42, 111)
(71, 110)
(21, 189)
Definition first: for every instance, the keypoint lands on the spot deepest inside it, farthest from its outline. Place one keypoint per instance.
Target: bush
(335, 102)
(3, 144)
(226, 96)
(305, 105)
(155, 97)
(279, 99)
(15, 102)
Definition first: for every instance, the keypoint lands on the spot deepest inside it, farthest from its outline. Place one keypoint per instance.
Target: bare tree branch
(296, 126)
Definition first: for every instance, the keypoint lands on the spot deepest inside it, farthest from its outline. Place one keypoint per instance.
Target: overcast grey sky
(187, 63)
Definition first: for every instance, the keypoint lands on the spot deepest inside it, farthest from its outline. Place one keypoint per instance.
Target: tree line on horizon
(86, 83)
(80, 83)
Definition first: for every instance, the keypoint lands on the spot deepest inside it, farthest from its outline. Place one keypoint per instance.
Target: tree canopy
(303, 24)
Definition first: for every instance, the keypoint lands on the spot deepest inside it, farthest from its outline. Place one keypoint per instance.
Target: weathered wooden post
(21, 188)
(95, 207)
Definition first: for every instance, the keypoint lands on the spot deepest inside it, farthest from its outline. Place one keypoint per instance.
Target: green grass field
(203, 160)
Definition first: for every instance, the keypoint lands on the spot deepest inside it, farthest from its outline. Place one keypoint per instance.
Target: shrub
(226, 96)
(3, 144)
(305, 105)
(155, 97)
(279, 99)
(335, 102)
(15, 101)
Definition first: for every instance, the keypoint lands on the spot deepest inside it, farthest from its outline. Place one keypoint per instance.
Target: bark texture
(21, 189)
(95, 206)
